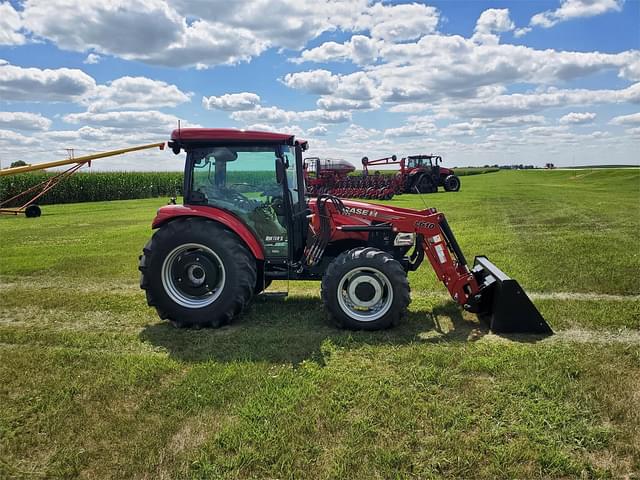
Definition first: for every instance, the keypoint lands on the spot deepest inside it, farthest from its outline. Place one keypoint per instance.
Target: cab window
(242, 180)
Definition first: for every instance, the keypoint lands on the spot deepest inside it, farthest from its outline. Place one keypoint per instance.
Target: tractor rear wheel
(365, 289)
(197, 273)
(423, 184)
(452, 183)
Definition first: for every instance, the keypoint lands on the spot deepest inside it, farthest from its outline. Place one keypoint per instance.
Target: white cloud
(282, 23)
(232, 102)
(199, 33)
(35, 84)
(313, 81)
(319, 131)
(418, 128)
(459, 129)
(516, 121)
(397, 23)
(135, 93)
(149, 121)
(14, 138)
(355, 91)
(278, 116)
(634, 132)
(10, 26)
(576, 118)
(527, 103)
(632, 119)
(521, 32)
(360, 49)
(146, 30)
(92, 59)
(491, 22)
(545, 131)
(405, 76)
(358, 133)
(571, 9)
(24, 121)
(126, 28)
(332, 103)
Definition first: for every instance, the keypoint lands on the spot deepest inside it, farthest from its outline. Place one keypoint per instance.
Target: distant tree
(18, 163)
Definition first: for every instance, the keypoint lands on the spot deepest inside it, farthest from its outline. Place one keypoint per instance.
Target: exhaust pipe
(503, 303)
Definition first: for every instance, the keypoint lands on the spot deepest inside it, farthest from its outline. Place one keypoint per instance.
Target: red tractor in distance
(418, 173)
(245, 221)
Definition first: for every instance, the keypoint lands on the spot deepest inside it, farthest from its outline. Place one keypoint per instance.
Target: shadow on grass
(295, 329)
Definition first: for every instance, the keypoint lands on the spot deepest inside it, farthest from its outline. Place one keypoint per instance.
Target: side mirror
(281, 171)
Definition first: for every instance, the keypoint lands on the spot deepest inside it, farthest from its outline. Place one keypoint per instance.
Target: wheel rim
(365, 294)
(193, 275)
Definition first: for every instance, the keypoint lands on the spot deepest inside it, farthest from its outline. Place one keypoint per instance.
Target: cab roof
(183, 136)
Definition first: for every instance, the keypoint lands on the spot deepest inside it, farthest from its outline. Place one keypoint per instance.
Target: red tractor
(245, 222)
(418, 173)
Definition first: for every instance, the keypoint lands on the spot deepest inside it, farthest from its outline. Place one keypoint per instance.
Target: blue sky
(478, 82)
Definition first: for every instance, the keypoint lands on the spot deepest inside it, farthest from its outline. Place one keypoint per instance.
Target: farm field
(94, 385)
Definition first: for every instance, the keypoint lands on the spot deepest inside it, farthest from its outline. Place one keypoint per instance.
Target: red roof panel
(221, 134)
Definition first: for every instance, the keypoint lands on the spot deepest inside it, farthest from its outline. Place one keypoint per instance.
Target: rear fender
(171, 212)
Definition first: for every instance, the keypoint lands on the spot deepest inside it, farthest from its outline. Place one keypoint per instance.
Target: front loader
(245, 222)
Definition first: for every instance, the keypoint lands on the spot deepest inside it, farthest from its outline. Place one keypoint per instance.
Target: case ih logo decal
(360, 211)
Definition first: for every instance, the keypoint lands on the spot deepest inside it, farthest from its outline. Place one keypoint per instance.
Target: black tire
(370, 266)
(32, 211)
(423, 184)
(188, 245)
(452, 183)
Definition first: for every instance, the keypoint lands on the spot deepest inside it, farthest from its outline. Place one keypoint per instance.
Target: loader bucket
(504, 304)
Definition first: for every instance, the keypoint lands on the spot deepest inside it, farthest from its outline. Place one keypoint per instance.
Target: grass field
(94, 385)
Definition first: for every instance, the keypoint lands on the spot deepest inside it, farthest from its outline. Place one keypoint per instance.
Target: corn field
(98, 186)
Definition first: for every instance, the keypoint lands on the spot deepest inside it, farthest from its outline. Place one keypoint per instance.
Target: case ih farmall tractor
(418, 173)
(245, 221)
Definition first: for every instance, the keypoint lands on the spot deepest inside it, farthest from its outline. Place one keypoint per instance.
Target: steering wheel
(231, 196)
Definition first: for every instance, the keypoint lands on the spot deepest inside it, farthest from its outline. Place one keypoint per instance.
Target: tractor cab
(423, 173)
(252, 175)
(423, 161)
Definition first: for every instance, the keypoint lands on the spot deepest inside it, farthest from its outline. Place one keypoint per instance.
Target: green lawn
(94, 385)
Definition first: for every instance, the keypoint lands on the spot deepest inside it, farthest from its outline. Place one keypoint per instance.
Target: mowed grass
(94, 385)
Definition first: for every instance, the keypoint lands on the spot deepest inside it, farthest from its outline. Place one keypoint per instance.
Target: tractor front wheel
(196, 273)
(365, 289)
(452, 183)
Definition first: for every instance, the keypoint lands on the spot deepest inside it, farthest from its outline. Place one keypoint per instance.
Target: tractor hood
(445, 171)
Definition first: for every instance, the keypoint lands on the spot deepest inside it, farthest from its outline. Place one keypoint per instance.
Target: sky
(477, 82)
